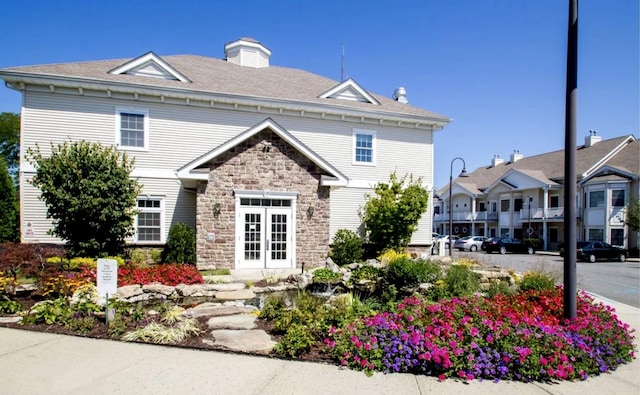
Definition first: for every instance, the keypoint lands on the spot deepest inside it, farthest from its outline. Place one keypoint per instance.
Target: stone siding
(263, 162)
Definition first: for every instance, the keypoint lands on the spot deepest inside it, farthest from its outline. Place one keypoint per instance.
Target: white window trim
(371, 133)
(161, 209)
(132, 110)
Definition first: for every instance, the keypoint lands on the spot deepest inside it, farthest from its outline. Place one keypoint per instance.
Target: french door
(264, 237)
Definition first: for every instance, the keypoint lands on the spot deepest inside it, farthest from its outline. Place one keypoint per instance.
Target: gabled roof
(149, 65)
(349, 90)
(335, 177)
(218, 80)
(619, 151)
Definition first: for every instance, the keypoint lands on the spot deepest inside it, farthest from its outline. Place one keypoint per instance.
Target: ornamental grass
(520, 337)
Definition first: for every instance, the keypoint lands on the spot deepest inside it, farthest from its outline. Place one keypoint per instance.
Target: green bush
(499, 288)
(295, 342)
(181, 245)
(365, 273)
(325, 275)
(346, 247)
(537, 281)
(391, 215)
(461, 281)
(8, 205)
(89, 194)
(405, 274)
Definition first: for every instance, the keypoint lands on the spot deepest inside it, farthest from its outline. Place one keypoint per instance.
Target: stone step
(250, 341)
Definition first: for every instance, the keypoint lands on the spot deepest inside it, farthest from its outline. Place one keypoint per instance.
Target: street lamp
(529, 230)
(463, 173)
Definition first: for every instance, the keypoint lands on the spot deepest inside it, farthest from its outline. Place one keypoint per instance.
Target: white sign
(107, 276)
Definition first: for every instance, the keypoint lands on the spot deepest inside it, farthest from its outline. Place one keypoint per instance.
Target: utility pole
(570, 179)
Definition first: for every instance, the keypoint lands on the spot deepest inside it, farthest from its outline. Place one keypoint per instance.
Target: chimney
(247, 52)
(591, 139)
(400, 95)
(496, 160)
(516, 156)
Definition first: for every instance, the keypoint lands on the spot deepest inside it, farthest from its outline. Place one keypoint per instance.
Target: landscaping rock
(210, 309)
(190, 290)
(250, 341)
(240, 294)
(128, 291)
(10, 320)
(158, 288)
(331, 265)
(237, 321)
(225, 287)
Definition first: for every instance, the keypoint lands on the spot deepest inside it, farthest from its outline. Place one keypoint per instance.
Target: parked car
(593, 250)
(508, 244)
(470, 243)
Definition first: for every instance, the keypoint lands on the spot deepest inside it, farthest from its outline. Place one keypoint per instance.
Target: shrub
(391, 255)
(24, 259)
(166, 274)
(89, 195)
(365, 273)
(181, 245)
(391, 215)
(537, 281)
(406, 274)
(461, 281)
(8, 205)
(326, 275)
(346, 247)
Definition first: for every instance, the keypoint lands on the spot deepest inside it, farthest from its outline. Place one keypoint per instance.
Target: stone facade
(264, 162)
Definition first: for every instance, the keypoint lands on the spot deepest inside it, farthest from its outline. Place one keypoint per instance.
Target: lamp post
(463, 173)
(530, 199)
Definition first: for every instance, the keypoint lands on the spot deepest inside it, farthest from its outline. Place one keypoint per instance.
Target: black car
(507, 244)
(594, 250)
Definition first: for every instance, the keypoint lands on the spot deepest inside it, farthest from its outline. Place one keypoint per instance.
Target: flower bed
(521, 337)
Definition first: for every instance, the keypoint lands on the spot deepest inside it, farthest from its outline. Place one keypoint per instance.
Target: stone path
(233, 327)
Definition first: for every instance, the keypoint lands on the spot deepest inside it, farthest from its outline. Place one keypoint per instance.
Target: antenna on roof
(342, 65)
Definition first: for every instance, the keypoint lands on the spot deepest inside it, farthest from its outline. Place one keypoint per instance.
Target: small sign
(107, 276)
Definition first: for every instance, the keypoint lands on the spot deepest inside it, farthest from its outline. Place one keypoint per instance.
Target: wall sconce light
(310, 211)
(216, 210)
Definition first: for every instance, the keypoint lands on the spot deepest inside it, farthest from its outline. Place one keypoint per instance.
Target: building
(523, 197)
(265, 162)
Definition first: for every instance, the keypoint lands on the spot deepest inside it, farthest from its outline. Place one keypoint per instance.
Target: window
(617, 237)
(617, 197)
(504, 205)
(554, 201)
(553, 235)
(149, 220)
(504, 232)
(596, 199)
(517, 204)
(132, 129)
(364, 143)
(436, 210)
(596, 234)
(482, 207)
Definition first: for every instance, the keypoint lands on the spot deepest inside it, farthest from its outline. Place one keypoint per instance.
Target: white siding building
(265, 162)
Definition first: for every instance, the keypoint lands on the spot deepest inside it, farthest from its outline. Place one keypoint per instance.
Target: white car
(469, 243)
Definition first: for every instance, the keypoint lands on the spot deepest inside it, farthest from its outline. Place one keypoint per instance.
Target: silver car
(469, 243)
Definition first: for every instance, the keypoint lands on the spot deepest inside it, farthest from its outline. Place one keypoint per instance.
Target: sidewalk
(41, 363)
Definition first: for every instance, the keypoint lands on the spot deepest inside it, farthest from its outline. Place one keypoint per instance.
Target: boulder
(158, 288)
(128, 291)
(240, 294)
(236, 321)
(250, 341)
(210, 309)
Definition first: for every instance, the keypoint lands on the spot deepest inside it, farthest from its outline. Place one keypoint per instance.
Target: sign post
(107, 281)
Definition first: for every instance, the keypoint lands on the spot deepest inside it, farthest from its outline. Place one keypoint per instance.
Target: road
(613, 280)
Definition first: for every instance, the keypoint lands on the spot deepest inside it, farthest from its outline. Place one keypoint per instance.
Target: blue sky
(496, 67)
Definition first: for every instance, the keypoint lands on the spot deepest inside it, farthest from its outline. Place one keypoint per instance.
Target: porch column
(545, 230)
(473, 215)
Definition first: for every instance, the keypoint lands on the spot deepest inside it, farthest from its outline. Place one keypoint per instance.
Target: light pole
(463, 173)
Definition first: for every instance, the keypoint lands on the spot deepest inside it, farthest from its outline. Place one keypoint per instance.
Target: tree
(89, 194)
(181, 245)
(8, 205)
(633, 215)
(10, 140)
(391, 216)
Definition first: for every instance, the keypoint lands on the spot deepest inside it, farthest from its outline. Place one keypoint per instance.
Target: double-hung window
(149, 221)
(596, 199)
(617, 198)
(132, 128)
(364, 147)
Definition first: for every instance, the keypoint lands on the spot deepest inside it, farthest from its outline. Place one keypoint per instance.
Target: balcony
(550, 215)
(538, 214)
(467, 216)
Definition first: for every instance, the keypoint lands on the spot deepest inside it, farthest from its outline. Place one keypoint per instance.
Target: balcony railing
(538, 214)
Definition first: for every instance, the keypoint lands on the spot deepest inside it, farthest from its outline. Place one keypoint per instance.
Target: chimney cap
(400, 95)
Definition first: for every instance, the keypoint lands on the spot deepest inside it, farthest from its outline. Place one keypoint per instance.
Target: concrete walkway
(41, 363)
